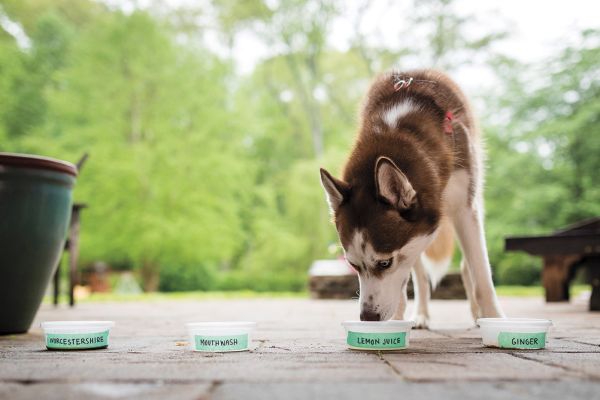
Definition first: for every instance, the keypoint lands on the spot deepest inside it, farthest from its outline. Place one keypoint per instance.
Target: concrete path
(300, 353)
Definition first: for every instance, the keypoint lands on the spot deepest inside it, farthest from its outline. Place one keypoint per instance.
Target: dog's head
(383, 228)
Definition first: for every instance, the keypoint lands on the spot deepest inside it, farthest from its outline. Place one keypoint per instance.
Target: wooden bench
(563, 252)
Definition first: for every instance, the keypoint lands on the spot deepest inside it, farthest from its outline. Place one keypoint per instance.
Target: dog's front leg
(469, 288)
(422, 294)
(403, 300)
(468, 224)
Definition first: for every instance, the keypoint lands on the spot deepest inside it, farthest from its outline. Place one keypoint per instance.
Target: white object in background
(337, 267)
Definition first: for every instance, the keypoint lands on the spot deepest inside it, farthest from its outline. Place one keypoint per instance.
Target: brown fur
(420, 148)
(443, 246)
(415, 167)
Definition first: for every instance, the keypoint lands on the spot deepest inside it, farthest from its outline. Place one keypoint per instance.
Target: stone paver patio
(300, 353)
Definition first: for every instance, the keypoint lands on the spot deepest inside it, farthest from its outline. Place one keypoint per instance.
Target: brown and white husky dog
(413, 178)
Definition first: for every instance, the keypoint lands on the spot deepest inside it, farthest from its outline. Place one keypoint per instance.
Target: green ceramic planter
(35, 207)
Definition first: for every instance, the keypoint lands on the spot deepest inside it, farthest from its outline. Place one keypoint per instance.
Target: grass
(535, 291)
(505, 291)
(158, 296)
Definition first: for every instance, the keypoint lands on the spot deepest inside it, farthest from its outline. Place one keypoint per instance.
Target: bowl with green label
(218, 337)
(514, 333)
(378, 335)
(76, 335)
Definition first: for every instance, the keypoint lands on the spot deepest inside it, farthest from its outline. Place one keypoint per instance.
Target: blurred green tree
(544, 158)
(207, 178)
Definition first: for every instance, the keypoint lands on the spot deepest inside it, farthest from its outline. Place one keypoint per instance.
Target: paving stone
(425, 335)
(472, 366)
(200, 367)
(304, 345)
(592, 341)
(300, 351)
(470, 341)
(468, 333)
(571, 346)
(103, 391)
(410, 390)
(590, 333)
(586, 364)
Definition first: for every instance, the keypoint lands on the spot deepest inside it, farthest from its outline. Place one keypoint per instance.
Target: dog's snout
(370, 315)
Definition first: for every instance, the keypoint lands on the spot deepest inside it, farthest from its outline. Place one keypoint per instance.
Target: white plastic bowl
(378, 335)
(76, 335)
(514, 333)
(220, 336)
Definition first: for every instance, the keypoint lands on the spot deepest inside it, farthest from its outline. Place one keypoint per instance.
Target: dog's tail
(438, 255)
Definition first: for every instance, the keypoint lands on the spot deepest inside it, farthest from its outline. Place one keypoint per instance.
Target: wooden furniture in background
(562, 252)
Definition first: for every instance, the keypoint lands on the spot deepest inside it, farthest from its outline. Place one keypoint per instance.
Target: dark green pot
(35, 208)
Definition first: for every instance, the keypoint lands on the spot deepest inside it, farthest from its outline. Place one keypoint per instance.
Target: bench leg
(555, 276)
(594, 275)
(73, 255)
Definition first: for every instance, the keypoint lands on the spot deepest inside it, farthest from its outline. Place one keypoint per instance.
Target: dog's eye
(384, 264)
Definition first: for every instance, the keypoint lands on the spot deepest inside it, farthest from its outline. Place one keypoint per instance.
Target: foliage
(544, 162)
(208, 178)
(186, 277)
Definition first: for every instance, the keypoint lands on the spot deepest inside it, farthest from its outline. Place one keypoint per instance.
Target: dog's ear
(335, 189)
(392, 185)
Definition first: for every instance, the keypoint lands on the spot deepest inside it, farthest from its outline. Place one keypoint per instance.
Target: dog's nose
(369, 315)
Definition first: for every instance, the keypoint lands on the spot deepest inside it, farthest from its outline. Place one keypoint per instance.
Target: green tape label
(221, 343)
(74, 341)
(514, 340)
(396, 340)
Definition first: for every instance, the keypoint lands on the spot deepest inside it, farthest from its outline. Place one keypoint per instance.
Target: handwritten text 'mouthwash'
(218, 342)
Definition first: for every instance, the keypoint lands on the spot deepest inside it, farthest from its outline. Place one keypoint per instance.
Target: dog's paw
(491, 311)
(421, 321)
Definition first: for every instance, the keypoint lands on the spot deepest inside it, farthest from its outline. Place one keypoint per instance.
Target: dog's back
(390, 106)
